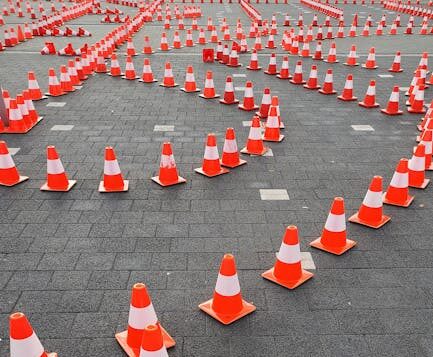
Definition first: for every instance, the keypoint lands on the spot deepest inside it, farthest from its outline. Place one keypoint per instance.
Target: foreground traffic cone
(211, 166)
(141, 314)
(115, 70)
(392, 107)
(229, 93)
(351, 58)
(9, 175)
(328, 84)
(34, 90)
(254, 63)
(347, 94)
(287, 270)
(152, 343)
(370, 97)
(272, 67)
(230, 157)
(396, 67)
(333, 239)
(190, 86)
(113, 179)
(54, 87)
(371, 60)
(147, 76)
(370, 213)
(168, 175)
(23, 340)
(57, 180)
(209, 87)
(272, 127)
(248, 102)
(266, 104)
(417, 168)
(255, 142)
(398, 189)
(227, 304)
(168, 80)
(297, 75)
(130, 70)
(312, 79)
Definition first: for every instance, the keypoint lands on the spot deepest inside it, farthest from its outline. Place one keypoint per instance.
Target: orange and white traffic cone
(164, 43)
(33, 114)
(396, 64)
(248, 102)
(272, 67)
(168, 175)
(333, 239)
(417, 168)
(17, 123)
(101, 67)
(211, 166)
(230, 157)
(266, 104)
(332, 54)
(272, 126)
(227, 304)
(370, 213)
(397, 193)
(417, 105)
(168, 80)
(392, 107)
(370, 97)
(57, 180)
(328, 84)
(147, 76)
(189, 41)
(190, 85)
(9, 175)
(312, 79)
(351, 58)
(152, 343)
(177, 44)
(318, 52)
(371, 60)
(297, 75)
(130, 49)
(141, 314)
(347, 94)
(284, 71)
(209, 87)
(201, 37)
(34, 89)
(271, 42)
(305, 52)
(255, 144)
(73, 74)
(65, 80)
(130, 70)
(113, 180)
(147, 49)
(115, 70)
(254, 63)
(22, 107)
(229, 93)
(23, 340)
(54, 87)
(287, 270)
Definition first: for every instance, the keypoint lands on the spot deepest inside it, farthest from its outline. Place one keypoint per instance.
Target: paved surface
(69, 260)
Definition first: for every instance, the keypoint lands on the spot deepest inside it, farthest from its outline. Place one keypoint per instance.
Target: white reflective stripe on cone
(394, 97)
(229, 87)
(399, 180)
(160, 353)
(227, 285)
(167, 161)
(272, 122)
(289, 254)
(209, 83)
(189, 77)
(371, 90)
(373, 199)
(266, 99)
(230, 146)
(55, 167)
(349, 84)
(140, 317)
(33, 84)
(15, 114)
(111, 167)
(328, 78)
(168, 73)
(6, 161)
(115, 63)
(336, 222)
(417, 163)
(255, 134)
(28, 347)
(248, 92)
(211, 153)
(53, 81)
(129, 66)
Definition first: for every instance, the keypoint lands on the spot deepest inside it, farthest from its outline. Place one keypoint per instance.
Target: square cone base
(148, 53)
(362, 104)
(347, 99)
(103, 189)
(71, 183)
(163, 85)
(308, 87)
(269, 275)
(21, 179)
(321, 91)
(281, 138)
(222, 101)
(423, 185)
(414, 111)
(364, 66)
(385, 111)
(279, 76)
(247, 308)
(221, 172)
(232, 166)
(155, 80)
(204, 97)
(402, 204)
(121, 338)
(190, 91)
(241, 106)
(334, 250)
(271, 73)
(131, 79)
(375, 225)
(57, 95)
(254, 69)
(336, 61)
(117, 75)
(297, 83)
(234, 65)
(264, 151)
(158, 181)
(351, 65)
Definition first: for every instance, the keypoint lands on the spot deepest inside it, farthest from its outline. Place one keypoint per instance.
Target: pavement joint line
(62, 127)
(273, 194)
(362, 127)
(13, 151)
(56, 104)
(163, 128)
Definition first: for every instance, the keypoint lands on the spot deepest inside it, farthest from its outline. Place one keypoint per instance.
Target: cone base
(241, 106)
(254, 68)
(415, 111)
(204, 97)
(190, 91)
(376, 225)
(399, 71)
(55, 95)
(317, 58)
(158, 181)
(227, 319)
(221, 172)
(321, 91)
(400, 204)
(222, 101)
(362, 104)
(351, 65)
(141, 80)
(297, 83)
(385, 111)
(148, 53)
(364, 66)
(306, 275)
(232, 166)
(347, 99)
(234, 65)
(336, 61)
(280, 138)
(308, 87)
(131, 79)
(71, 183)
(117, 75)
(279, 76)
(264, 151)
(165, 49)
(333, 250)
(41, 98)
(163, 85)
(21, 179)
(423, 185)
(124, 189)
(271, 73)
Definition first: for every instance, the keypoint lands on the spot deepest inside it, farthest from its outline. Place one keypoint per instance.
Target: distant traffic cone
(234, 59)
(230, 156)
(254, 63)
(417, 168)
(417, 105)
(297, 75)
(54, 87)
(248, 102)
(395, 67)
(227, 304)
(398, 189)
(57, 180)
(332, 54)
(328, 84)
(287, 270)
(229, 93)
(130, 70)
(370, 97)
(164, 43)
(147, 76)
(113, 180)
(284, 71)
(312, 79)
(265, 105)
(130, 49)
(168, 80)
(347, 94)
(351, 58)
(370, 213)
(168, 175)
(147, 49)
(392, 107)
(209, 87)
(9, 175)
(115, 70)
(255, 143)
(272, 67)
(333, 239)
(211, 166)
(371, 60)
(272, 127)
(318, 53)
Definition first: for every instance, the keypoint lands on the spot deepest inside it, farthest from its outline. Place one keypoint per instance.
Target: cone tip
(291, 235)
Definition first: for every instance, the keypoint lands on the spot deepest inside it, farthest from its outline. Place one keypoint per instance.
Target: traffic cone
(371, 60)
(272, 67)
(255, 142)
(33, 115)
(190, 86)
(398, 189)
(168, 80)
(147, 49)
(417, 105)
(209, 88)
(65, 80)
(17, 123)
(34, 90)
(130, 70)
(312, 79)
(164, 43)
(393, 29)
(287, 270)
(57, 180)
(227, 304)
(258, 43)
(130, 49)
(427, 140)
(347, 94)
(395, 67)
(254, 63)
(141, 315)
(284, 71)
(234, 59)
(417, 168)
(370, 97)
(297, 75)
(370, 213)
(101, 67)
(318, 52)
(351, 58)
(189, 41)
(332, 54)
(333, 239)
(9, 175)
(168, 175)
(115, 70)
(54, 87)
(201, 38)
(113, 179)
(328, 84)
(271, 42)
(211, 166)
(265, 105)
(305, 52)
(392, 107)
(229, 93)
(272, 127)
(22, 107)
(147, 76)
(23, 340)
(230, 157)
(152, 343)
(248, 102)
(73, 74)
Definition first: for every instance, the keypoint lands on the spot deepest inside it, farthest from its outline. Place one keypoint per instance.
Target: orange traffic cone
(101, 67)
(168, 80)
(266, 104)
(333, 239)
(130, 49)
(417, 168)
(284, 71)
(417, 105)
(272, 127)
(115, 70)
(371, 60)
(255, 142)
(54, 87)
(370, 97)
(190, 86)
(398, 189)
(9, 175)
(297, 75)
(147, 49)
(227, 304)
(312, 79)
(347, 94)
(130, 70)
(332, 54)
(113, 179)
(370, 213)
(396, 67)
(318, 52)
(248, 102)
(168, 175)
(153, 343)
(351, 58)
(229, 93)
(254, 63)
(177, 44)
(164, 43)
(147, 76)
(328, 84)
(17, 123)
(57, 180)
(73, 74)
(287, 270)
(392, 107)
(22, 107)
(426, 139)
(65, 80)
(211, 166)
(230, 157)
(209, 88)
(272, 67)
(33, 114)
(34, 90)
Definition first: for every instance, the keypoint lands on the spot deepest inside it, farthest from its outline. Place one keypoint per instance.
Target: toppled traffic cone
(370, 97)
(115, 70)
(190, 85)
(248, 102)
(9, 175)
(209, 87)
(396, 64)
(255, 142)
(34, 89)
(333, 239)
(230, 157)
(49, 49)
(168, 175)
(272, 67)
(347, 94)
(371, 60)
(272, 127)
(147, 76)
(397, 193)
(351, 58)
(227, 304)
(168, 80)
(417, 168)
(392, 107)
(54, 87)
(287, 270)
(266, 104)
(229, 93)
(211, 166)
(297, 75)
(328, 84)
(312, 79)
(254, 63)
(57, 180)
(113, 180)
